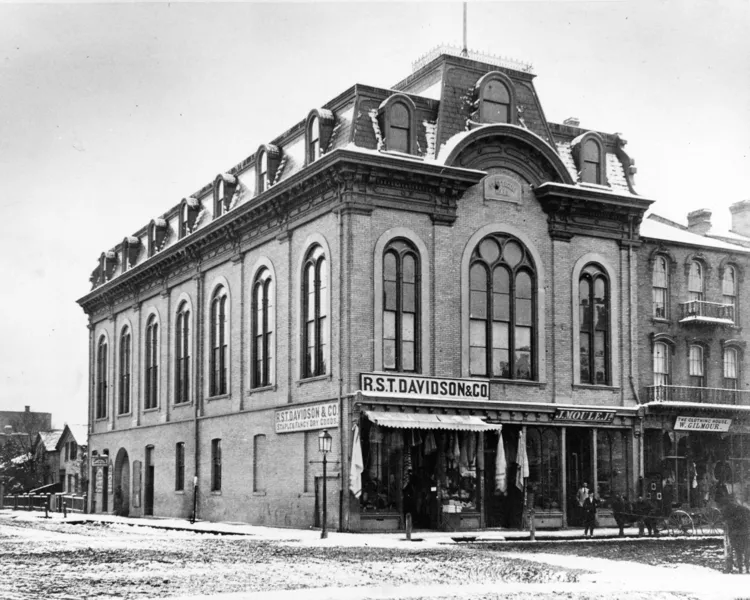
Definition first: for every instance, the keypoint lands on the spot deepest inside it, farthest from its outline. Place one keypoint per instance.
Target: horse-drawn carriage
(672, 521)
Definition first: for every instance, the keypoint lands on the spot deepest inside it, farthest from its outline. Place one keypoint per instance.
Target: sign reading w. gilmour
(702, 424)
(433, 388)
(587, 416)
(324, 415)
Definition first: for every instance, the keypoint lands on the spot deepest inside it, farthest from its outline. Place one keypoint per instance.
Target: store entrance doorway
(578, 460)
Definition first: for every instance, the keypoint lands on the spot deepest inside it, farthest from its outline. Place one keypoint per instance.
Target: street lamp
(324, 447)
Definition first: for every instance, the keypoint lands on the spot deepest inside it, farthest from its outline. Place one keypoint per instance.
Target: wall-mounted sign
(431, 388)
(100, 461)
(584, 415)
(702, 424)
(99, 481)
(324, 415)
(502, 187)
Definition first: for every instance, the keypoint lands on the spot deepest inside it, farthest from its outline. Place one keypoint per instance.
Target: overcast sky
(110, 114)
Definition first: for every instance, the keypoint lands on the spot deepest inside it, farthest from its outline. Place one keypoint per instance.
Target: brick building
(695, 380)
(433, 273)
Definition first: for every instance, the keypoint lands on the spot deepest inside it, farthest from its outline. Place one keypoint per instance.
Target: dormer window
(495, 99)
(131, 247)
(313, 140)
(589, 154)
(157, 233)
(224, 186)
(318, 133)
(190, 208)
(397, 117)
(267, 160)
(107, 263)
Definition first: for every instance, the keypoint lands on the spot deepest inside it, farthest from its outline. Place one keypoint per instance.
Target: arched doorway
(122, 484)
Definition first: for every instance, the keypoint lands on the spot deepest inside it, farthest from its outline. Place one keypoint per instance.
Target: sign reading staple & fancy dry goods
(584, 415)
(702, 424)
(324, 415)
(432, 388)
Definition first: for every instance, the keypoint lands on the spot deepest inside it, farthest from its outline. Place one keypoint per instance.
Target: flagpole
(465, 50)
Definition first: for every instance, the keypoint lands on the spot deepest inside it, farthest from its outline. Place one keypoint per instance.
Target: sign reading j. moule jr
(584, 415)
(425, 388)
(702, 424)
(324, 415)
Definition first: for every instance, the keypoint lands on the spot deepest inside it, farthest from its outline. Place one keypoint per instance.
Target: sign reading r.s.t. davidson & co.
(584, 415)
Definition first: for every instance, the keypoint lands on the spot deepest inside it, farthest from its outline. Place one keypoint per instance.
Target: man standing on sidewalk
(581, 496)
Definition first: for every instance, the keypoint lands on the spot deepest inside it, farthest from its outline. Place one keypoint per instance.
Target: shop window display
(612, 465)
(382, 454)
(543, 447)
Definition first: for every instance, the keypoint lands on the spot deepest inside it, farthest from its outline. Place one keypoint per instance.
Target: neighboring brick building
(693, 362)
(432, 273)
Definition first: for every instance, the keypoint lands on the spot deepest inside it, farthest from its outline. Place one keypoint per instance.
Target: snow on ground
(170, 558)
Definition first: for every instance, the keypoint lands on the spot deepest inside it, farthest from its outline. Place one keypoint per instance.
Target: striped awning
(421, 421)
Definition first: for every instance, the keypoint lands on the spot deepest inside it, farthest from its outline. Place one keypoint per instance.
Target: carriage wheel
(712, 521)
(681, 523)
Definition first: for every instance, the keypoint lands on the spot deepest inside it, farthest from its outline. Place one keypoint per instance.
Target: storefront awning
(420, 421)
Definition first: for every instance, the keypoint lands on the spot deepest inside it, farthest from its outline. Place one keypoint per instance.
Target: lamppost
(324, 446)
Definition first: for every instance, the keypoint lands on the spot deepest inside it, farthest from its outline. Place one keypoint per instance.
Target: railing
(698, 395)
(707, 312)
(57, 502)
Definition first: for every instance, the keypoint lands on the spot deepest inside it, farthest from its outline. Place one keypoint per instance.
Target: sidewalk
(311, 537)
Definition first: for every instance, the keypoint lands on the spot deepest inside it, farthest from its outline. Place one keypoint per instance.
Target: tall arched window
(731, 368)
(729, 291)
(182, 354)
(695, 282)
(219, 193)
(696, 366)
(124, 387)
(313, 139)
(660, 287)
(399, 128)
(152, 363)
(101, 378)
(502, 283)
(219, 340)
(593, 299)
(662, 371)
(495, 102)
(591, 162)
(262, 171)
(401, 307)
(315, 312)
(262, 329)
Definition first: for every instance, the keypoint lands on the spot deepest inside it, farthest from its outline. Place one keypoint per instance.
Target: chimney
(572, 122)
(28, 408)
(699, 221)
(741, 217)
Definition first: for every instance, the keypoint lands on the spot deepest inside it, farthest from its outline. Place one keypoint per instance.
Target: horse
(737, 524)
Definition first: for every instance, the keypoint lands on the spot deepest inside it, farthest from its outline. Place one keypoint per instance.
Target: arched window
(591, 162)
(182, 354)
(662, 371)
(152, 363)
(124, 387)
(495, 102)
(315, 311)
(101, 378)
(152, 241)
(313, 139)
(502, 283)
(262, 329)
(219, 193)
(401, 307)
(219, 341)
(731, 368)
(593, 299)
(660, 287)
(696, 366)
(695, 282)
(263, 182)
(399, 128)
(729, 291)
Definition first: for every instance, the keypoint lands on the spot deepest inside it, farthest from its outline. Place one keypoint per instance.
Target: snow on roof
(653, 227)
(566, 154)
(616, 174)
(50, 439)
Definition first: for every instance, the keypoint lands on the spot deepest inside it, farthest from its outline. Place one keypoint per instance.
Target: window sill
(179, 492)
(125, 414)
(264, 388)
(307, 495)
(315, 378)
(526, 382)
(218, 397)
(99, 419)
(259, 493)
(149, 410)
(179, 404)
(660, 320)
(601, 388)
(216, 492)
